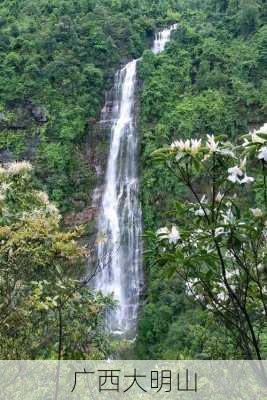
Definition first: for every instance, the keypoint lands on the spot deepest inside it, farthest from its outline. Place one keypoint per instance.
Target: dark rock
(79, 204)
(92, 121)
(6, 156)
(14, 127)
(37, 112)
(31, 146)
(82, 217)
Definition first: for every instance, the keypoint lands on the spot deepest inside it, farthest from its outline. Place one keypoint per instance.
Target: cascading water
(119, 251)
(120, 224)
(162, 38)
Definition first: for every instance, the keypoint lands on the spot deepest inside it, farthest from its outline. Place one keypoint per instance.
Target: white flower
(200, 212)
(200, 297)
(227, 152)
(174, 235)
(261, 267)
(222, 296)
(16, 168)
(263, 154)
(178, 144)
(43, 197)
(219, 197)
(190, 285)
(257, 212)
(234, 174)
(52, 209)
(5, 186)
(189, 146)
(229, 254)
(3, 189)
(163, 233)
(233, 178)
(228, 217)
(212, 145)
(32, 215)
(232, 274)
(210, 249)
(247, 179)
(262, 129)
(219, 231)
(204, 199)
(195, 146)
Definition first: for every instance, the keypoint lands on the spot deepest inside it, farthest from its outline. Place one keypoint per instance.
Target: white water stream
(120, 223)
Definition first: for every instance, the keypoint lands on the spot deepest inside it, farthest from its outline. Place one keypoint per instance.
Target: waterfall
(119, 248)
(162, 38)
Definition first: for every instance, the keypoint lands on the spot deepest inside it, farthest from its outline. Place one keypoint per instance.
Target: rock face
(37, 112)
(95, 155)
(98, 146)
(20, 120)
(82, 217)
(6, 156)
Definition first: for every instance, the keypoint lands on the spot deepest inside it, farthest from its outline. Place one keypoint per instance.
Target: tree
(248, 16)
(218, 244)
(47, 308)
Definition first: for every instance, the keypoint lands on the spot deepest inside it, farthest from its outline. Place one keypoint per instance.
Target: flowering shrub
(47, 310)
(18, 198)
(218, 239)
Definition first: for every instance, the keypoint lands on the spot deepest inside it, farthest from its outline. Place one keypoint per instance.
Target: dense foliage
(47, 310)
(210, 80)
(58, 58)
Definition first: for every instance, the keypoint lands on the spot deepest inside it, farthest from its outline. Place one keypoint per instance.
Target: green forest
(202, 169)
